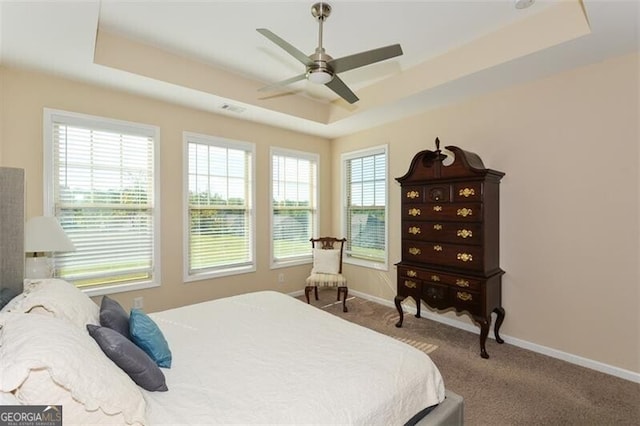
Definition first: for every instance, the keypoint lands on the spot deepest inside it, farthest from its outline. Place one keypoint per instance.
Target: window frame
(50, 116)
(192, 137)
(344, 158)
(312, 157)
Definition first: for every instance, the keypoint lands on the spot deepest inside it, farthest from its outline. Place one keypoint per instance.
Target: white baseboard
(298, 293)
(554, 353)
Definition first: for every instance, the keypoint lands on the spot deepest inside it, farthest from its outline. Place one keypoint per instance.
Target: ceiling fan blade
(282, 83)
(285, 45)
(361, 59)
(341, 89)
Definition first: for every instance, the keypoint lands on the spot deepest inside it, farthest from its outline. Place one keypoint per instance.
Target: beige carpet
(515, 386)
(362, 309)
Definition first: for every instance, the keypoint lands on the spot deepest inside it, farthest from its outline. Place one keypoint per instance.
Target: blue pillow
(146, 334)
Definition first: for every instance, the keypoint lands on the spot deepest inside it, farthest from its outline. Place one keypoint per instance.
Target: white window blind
(102, 184)
(220, 218)
(294, 196)
(366, 201)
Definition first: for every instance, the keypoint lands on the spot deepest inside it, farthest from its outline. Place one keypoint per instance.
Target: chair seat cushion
(327, 280)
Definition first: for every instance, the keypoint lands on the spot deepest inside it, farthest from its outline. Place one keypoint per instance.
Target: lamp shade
(44, 234)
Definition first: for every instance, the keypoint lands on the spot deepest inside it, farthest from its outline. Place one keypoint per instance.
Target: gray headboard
(11, 229)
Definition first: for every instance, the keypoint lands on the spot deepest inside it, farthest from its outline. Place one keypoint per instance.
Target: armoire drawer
(443, 231)
(430, 276)
(455, 212)
(436, 296)
(467, 191)
(409, 287)
(456, 281)
(413, 194)
(438, 193)
(466, 300)
(454, 255)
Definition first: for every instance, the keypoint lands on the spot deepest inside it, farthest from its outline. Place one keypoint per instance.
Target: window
(219, 228)
(100, 179)
(365, 207)
(294, 194)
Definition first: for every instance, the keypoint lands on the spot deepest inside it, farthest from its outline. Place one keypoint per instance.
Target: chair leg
(307, 290)
(344, 290)
(316, 291)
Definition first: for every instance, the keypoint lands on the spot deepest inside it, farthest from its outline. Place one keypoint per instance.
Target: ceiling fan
(322, 68)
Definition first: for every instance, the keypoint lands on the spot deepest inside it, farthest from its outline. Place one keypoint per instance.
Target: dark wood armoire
(450, 237)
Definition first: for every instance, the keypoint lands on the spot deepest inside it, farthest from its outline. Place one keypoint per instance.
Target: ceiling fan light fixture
(319, 76)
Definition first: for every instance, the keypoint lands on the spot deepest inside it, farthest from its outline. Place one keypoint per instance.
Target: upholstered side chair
(327, 268)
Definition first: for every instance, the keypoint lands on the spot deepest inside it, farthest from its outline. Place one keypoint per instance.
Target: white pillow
(8, 398)
(58, 297)
(41, 389)
(326, 261)
(73, 366)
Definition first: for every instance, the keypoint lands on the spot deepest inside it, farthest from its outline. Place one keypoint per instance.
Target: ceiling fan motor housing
(319, 71)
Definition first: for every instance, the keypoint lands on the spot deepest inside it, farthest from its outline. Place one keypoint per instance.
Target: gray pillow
(6, 294)
(130, 358)
(113, 316)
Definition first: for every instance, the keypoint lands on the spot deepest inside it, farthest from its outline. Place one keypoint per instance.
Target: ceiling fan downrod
(320, 11)
(319, 71)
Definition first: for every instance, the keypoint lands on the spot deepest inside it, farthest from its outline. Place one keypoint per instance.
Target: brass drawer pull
(410, 284)
(464, 233)
(414, 251)
(435, 278)
(414, 212)
(437, 247)
(413, 194)
(464, 212)
(465, 257)
(412, 273)
(464, 296)
(414, 230)
(467, 192)
(462, 283)
(437, 227)
(437, 208)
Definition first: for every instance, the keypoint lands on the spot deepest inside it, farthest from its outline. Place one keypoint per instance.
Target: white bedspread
(268, 358)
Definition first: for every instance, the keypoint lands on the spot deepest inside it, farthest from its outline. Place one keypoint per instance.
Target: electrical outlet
(138, 302)
(281, 277)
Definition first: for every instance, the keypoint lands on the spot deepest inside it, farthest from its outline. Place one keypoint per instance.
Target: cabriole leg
(496, 328)
(398, 301)
(485, 324)
(345, 290)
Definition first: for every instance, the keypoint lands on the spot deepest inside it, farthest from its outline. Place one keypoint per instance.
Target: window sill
(289, 263)
(209, 275)
(379, 266)
(118, 288)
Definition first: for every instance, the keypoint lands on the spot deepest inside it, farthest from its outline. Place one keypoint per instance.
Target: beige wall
(569, 203)
(25, 94)
(570, 198)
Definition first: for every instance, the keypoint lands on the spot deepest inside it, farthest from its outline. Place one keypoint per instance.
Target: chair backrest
(329, 243)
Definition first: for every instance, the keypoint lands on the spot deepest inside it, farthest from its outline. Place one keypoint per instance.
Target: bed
(256, 358)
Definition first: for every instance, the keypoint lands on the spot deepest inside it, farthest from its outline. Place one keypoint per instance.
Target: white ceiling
(59, 37)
